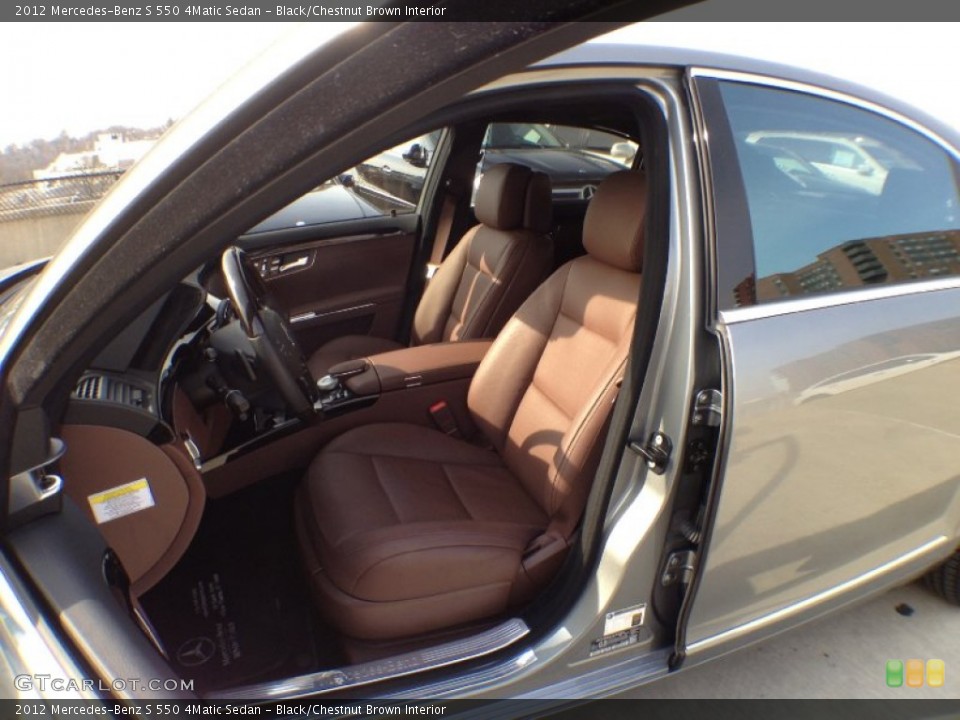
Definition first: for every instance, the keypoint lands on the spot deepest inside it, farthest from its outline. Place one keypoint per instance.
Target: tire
(945, 580)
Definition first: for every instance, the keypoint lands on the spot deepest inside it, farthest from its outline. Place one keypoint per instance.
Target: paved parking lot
(843, 656)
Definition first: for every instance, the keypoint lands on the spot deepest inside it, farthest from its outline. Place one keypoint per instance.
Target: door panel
(338, 258)
(843, 458)
(345, 283)
(839, 316)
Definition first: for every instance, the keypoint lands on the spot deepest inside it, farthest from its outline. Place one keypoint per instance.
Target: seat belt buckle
(444, 420)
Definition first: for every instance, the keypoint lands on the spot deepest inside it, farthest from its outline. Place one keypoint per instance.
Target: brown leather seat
(483, 280)
(406, 530)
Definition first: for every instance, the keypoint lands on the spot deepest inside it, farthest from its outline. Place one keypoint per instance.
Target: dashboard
(124, 385)
(182, 371)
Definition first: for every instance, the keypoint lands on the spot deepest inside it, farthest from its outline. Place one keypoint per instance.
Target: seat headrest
(613, 227)
(514, 197)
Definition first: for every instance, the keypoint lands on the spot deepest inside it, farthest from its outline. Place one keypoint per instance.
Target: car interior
(483, 280)
(349, 440)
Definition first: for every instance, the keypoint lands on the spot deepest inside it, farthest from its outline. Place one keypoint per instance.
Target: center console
(424, 385)
(353, 381)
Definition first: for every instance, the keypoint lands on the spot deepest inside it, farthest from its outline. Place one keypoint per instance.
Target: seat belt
(444, 228)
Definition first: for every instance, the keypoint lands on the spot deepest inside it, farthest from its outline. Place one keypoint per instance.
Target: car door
(339, 258)
(162, 222)
(830, 488)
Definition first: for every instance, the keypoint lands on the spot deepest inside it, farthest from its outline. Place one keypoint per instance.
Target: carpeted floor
(236, 609)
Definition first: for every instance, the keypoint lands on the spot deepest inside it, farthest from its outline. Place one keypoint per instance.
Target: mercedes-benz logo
(588, 191)
(196, 651)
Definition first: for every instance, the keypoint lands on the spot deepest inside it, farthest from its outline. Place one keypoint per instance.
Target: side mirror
(416, 155)
(623, 152)
(865, 170)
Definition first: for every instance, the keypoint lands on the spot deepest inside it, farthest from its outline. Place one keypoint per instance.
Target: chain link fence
(37, 216)
(67, 195)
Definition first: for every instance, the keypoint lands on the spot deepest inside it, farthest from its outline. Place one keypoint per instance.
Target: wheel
(945, 580)
(269, 333)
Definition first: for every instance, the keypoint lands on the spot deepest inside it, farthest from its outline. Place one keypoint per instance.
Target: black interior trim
(275, 240)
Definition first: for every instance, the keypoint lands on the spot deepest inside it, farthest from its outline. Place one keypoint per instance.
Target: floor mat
(236, 609)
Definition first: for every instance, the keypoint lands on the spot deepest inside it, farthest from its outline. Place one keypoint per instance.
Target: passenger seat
(484, 279)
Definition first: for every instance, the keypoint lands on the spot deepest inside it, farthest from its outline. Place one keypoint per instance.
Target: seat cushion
(349, 347)
(408, 530)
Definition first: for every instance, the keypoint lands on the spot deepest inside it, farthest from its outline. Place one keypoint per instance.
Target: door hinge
(655, 451)
(35, 492)
(708, 408)
(680, 568)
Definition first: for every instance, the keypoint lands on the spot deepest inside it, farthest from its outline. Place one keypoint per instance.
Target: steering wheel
(269, 333)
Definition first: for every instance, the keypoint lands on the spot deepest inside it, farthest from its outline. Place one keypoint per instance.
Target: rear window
(839, 198)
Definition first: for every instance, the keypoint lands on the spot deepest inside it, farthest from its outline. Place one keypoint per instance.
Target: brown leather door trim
(346, 285)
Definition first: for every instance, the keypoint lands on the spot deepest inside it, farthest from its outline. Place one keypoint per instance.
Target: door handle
(294, 264)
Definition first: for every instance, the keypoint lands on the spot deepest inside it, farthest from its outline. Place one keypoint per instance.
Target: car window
(388, 183)
(576, 159)
(839, 197)
(506, 136)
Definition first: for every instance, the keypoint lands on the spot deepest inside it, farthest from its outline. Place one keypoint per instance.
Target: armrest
(423, 365)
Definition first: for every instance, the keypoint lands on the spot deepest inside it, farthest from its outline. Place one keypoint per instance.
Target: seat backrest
(544, 391)
(496, 264)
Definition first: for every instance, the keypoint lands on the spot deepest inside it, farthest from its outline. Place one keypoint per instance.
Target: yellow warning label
(121, 500)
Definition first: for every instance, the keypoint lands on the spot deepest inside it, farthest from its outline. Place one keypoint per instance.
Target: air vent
(120, 392)
(97, 387)
(89, 388)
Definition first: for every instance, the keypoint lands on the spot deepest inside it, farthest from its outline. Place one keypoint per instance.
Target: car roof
(598, 53)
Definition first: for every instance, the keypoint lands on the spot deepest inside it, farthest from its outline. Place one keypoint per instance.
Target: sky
(80, 77)
(83, 76)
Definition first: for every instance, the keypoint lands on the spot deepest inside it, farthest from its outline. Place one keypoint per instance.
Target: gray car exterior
(812, 505)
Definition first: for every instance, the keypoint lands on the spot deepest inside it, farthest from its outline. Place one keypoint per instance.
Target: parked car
(575, 167)
(395, 176)
(615, 482)
(333, 201)
(858, 161)
(803, 173)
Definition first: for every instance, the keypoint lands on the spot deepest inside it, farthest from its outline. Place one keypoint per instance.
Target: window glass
(388, 183)
(839, 197)
(577, 159)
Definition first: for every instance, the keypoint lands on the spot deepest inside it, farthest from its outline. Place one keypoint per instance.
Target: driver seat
(483, 280)
(406, 530)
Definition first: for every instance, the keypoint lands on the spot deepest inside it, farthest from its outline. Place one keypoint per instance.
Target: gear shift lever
(328, 383)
